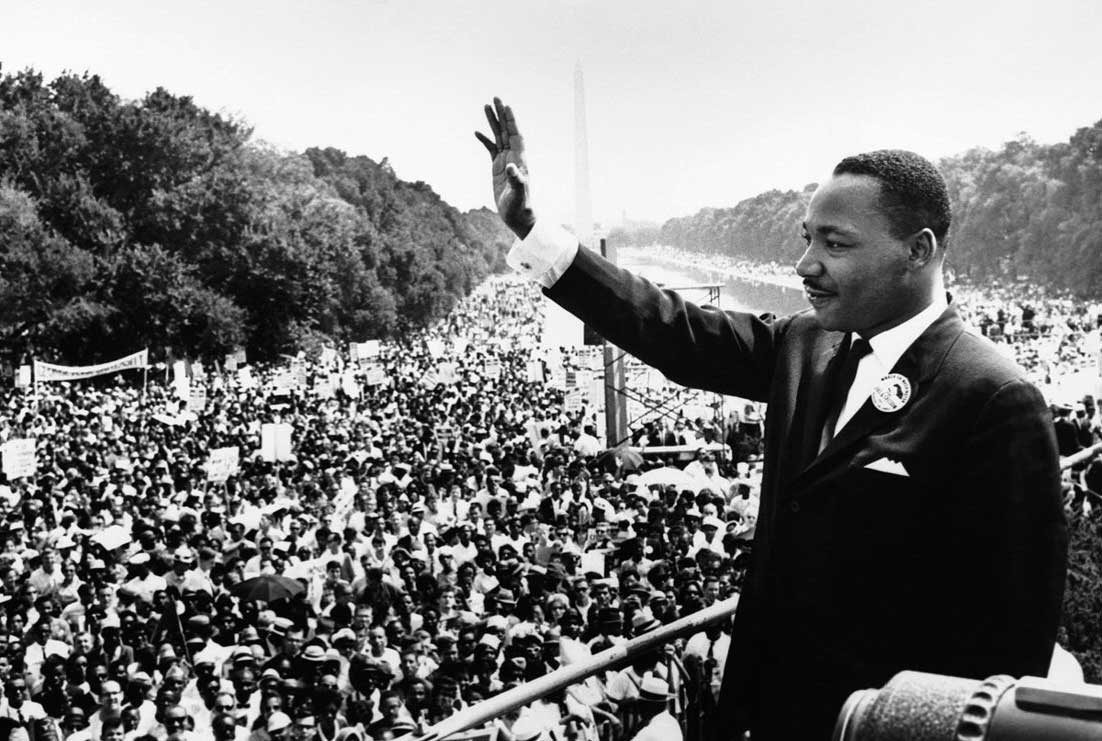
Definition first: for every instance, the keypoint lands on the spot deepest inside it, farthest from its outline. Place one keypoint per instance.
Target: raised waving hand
(510, 173)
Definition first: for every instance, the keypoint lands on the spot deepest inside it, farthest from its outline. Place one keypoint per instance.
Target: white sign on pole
(323, 387)
(364, 350)
(245, 378)
(446, 373)
(19, 458)
(350, 385)
(375, 376)
(275, 441)
(436, 348)
(298, 373)
(535, 371)
(197, 400)
(573, 401)
(492, 370)
(23, 377)
(180, 380)
(223, 463)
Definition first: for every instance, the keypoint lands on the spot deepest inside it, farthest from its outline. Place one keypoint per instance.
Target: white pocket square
(887, 465)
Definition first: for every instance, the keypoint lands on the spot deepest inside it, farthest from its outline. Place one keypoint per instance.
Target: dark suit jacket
(857, 574)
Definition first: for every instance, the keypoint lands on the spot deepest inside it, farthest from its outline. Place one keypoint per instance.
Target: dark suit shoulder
(977, 360)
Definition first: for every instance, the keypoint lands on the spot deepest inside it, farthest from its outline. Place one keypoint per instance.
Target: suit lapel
(919, 364)
(811, 405)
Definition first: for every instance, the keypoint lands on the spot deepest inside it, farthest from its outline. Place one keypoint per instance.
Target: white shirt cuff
(545, 254)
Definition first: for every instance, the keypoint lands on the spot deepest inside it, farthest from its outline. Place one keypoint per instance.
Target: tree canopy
(1026, 210)
(155, 222)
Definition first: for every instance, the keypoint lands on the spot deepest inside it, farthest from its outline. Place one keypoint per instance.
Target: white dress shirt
(887, 348)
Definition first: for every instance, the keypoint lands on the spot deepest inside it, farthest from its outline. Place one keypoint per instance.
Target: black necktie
(839, 387)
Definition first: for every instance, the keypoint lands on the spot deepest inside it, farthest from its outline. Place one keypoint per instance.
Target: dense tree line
(126, 224)
(1026, 210)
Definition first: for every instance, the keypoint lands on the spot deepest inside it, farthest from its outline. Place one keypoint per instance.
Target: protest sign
(492, 371)
(19, 458)
(364, 350)
(180, 382)
(223, 463)
(534, 371)
(245, 378)
(323, 387)
(275, 441)
(446, 373)
(298, 373)
(573, 402)
(375, 376)
(197, 398)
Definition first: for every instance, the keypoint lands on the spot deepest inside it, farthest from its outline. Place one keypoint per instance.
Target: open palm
(510, 173)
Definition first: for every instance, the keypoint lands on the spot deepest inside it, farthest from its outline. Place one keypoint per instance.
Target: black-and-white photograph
(550, 370)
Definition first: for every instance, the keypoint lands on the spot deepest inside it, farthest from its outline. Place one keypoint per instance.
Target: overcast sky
(690, 104)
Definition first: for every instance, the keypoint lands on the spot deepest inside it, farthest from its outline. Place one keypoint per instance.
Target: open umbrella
(669, 475)
(112, 537)
(267, 588)
(621, 459)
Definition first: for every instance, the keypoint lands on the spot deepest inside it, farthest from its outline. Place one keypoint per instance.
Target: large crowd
(446, 525)
(441, 529)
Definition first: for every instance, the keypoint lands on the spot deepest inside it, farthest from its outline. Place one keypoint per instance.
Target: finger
(501, 113)
(494, 125)
(512, 133)
(486, 143)
(516, 177)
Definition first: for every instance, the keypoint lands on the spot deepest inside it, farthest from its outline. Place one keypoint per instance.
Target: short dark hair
(912, 192)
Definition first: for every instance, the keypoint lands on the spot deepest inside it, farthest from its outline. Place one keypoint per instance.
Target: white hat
(139, 558)
(527, 729)
(277, 721)
(654, 689)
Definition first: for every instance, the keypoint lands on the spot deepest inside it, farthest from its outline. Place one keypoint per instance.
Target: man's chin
(830, 320)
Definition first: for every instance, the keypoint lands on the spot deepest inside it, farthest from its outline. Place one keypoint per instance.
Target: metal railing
(612, 658)
(615, 657)
(1081, 457)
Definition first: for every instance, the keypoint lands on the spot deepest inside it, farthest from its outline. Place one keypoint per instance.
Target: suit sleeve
(1012, 534)
(698, 346)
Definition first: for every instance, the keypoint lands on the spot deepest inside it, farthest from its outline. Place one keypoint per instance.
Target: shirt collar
(888, 346)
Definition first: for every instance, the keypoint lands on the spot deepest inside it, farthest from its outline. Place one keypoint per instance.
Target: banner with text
(51, 372)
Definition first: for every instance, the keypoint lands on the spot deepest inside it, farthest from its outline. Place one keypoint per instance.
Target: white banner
(19, 458)
(51, 372)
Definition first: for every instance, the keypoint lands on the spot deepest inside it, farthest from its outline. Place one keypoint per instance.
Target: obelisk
(583, 206)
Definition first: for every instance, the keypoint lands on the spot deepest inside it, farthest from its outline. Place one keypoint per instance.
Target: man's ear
(923, 248)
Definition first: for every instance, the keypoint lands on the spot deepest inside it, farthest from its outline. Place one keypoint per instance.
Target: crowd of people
(445, 526)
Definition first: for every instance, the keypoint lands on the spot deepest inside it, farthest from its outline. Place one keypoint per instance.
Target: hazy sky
(690, 104)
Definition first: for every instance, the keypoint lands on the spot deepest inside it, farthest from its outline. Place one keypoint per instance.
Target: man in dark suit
(910, 510)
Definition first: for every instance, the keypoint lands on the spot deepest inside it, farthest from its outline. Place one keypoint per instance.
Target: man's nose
(808, 266)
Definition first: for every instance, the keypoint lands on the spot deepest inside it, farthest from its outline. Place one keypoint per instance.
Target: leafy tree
(156, 222)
